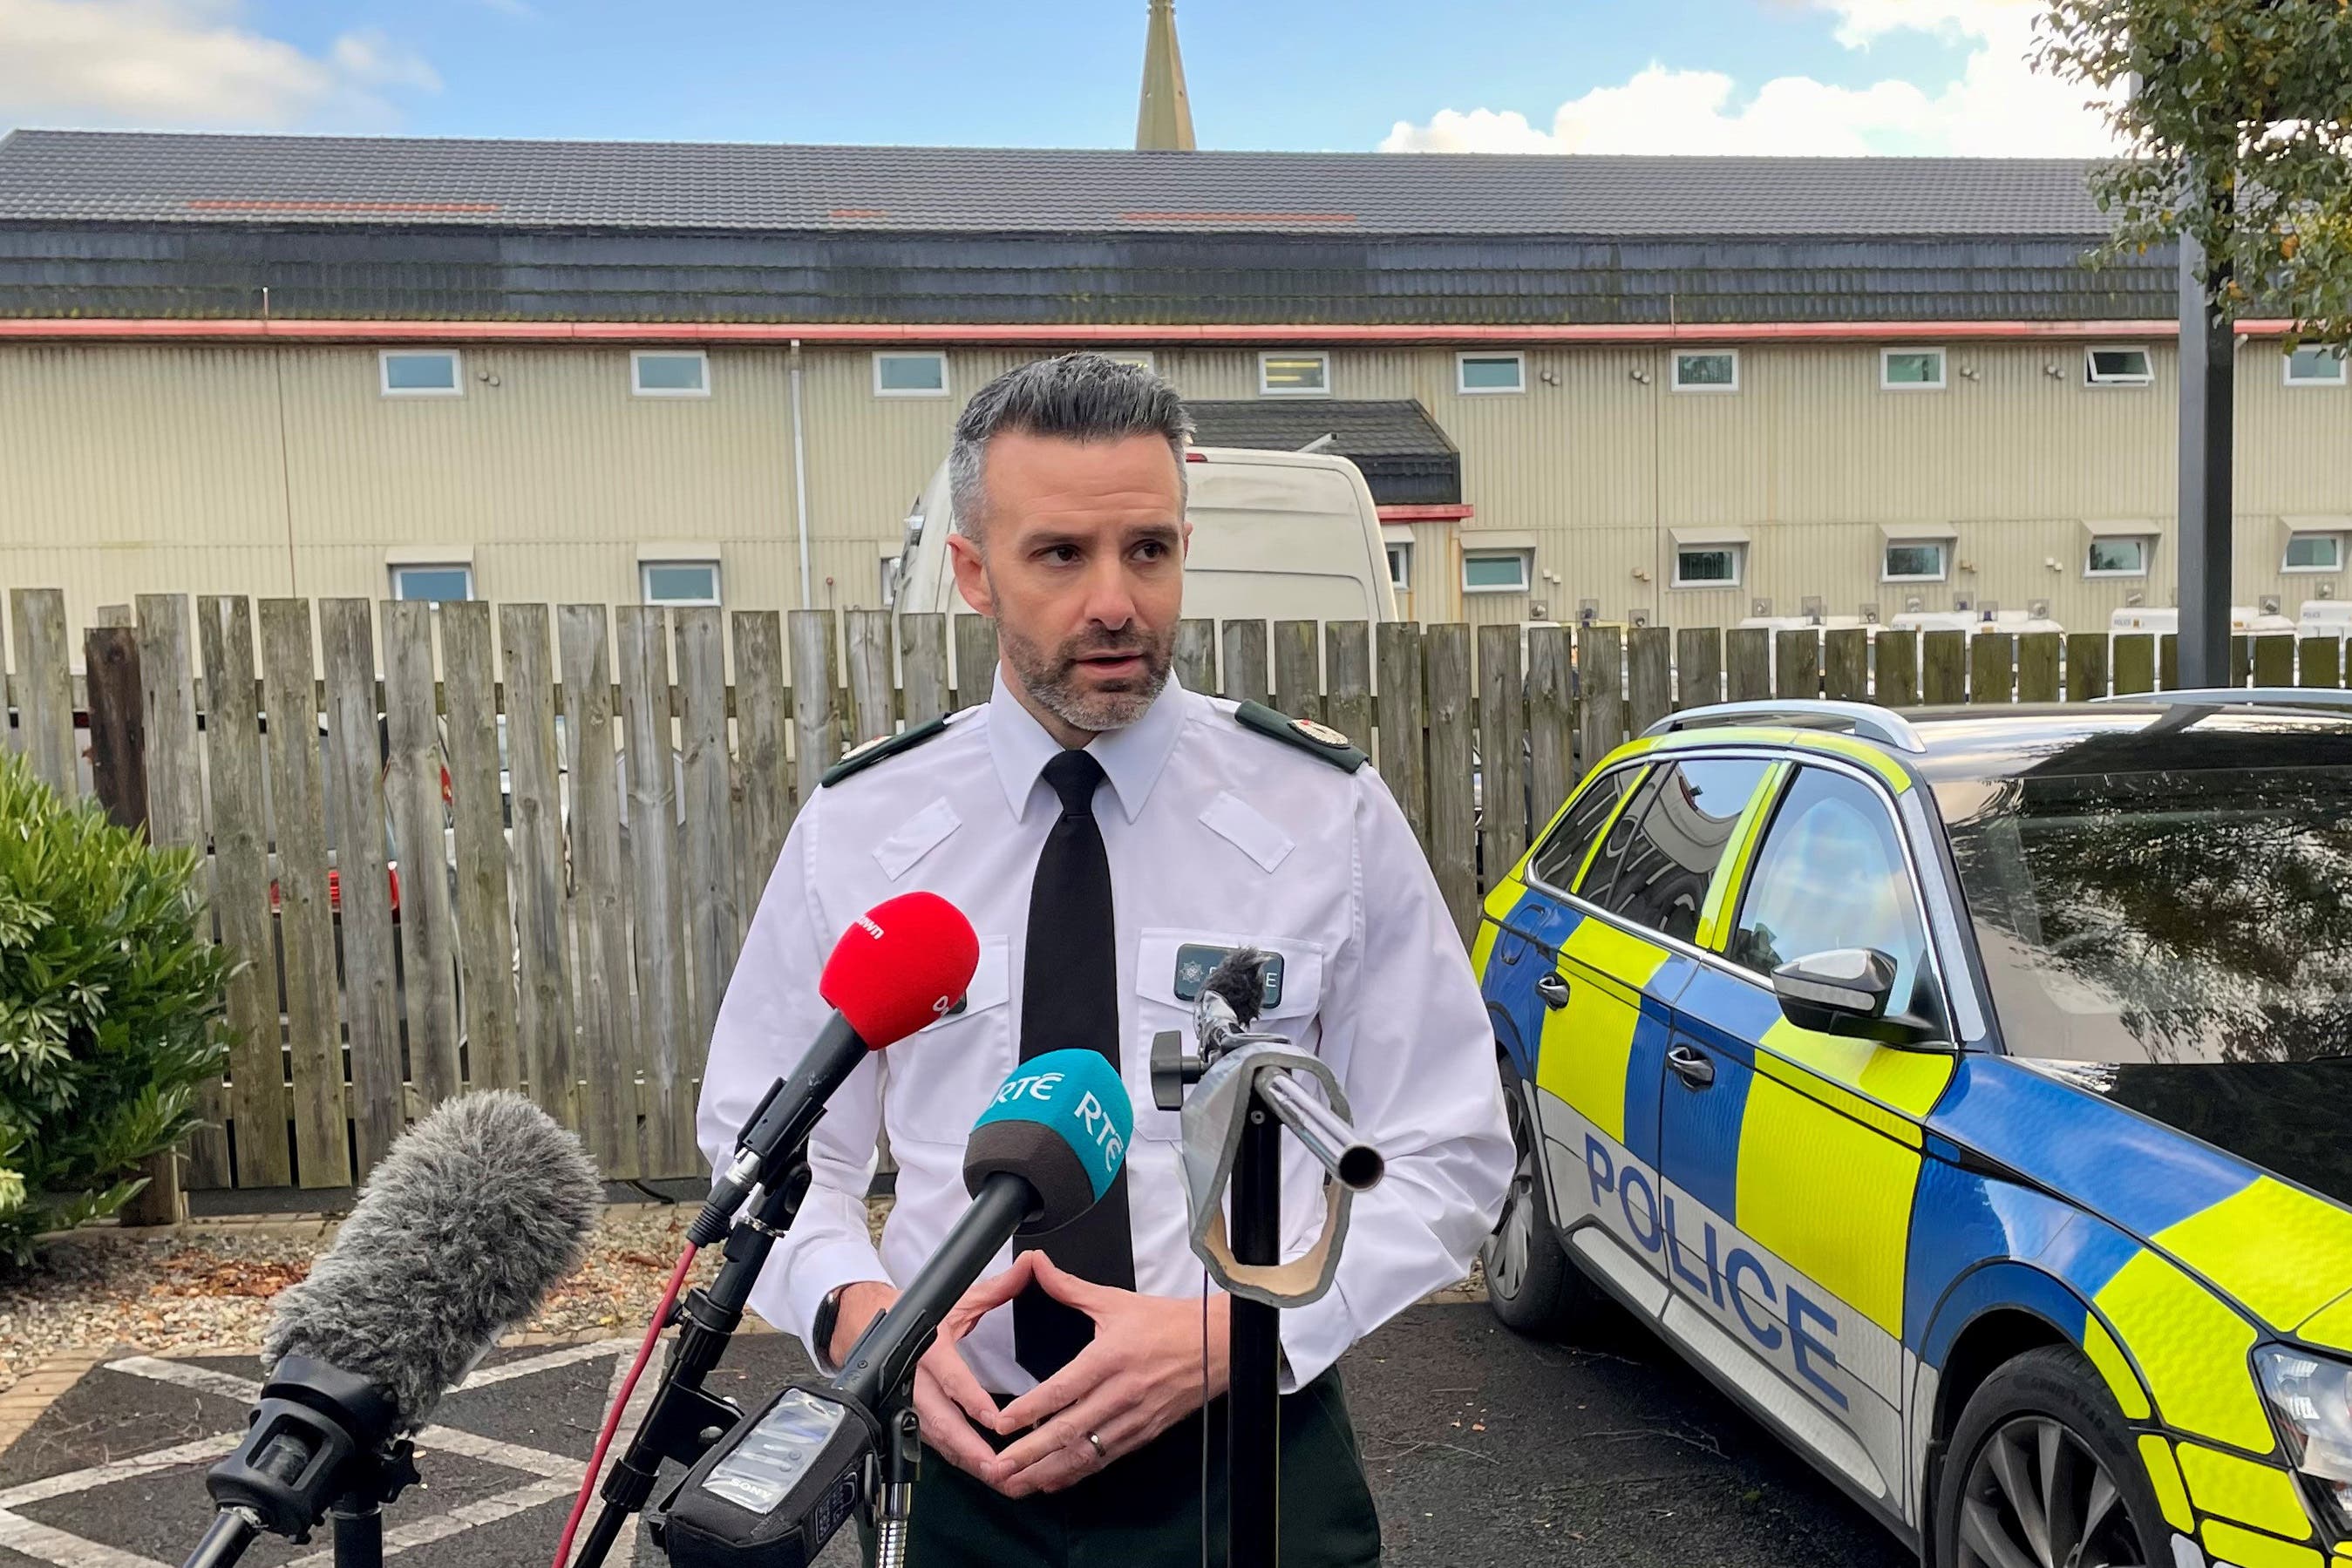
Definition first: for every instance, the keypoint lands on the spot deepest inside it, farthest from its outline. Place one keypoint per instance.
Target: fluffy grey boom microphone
(1240, 978)
(465, 1224)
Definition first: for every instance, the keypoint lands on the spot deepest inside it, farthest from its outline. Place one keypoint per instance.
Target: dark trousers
(1144, 1510)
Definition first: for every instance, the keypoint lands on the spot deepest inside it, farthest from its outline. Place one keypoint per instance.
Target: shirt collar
(1132, 758)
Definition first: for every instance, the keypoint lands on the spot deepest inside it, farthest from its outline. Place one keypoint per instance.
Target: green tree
(2238, 131)
(110, 1007)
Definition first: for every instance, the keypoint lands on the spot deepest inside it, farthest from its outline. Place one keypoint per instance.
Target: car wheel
(1530, 1282)
(2041, 1468)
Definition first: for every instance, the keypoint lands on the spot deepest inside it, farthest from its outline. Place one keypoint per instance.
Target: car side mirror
(1845, 992)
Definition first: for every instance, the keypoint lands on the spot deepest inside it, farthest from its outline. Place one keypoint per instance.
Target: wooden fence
(578, 808)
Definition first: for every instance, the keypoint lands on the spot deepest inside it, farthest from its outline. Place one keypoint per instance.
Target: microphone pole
(1227, 1004)
(683, 1420)
(1253, 1401)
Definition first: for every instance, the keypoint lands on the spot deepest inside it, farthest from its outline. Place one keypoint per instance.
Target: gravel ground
(207, 1286)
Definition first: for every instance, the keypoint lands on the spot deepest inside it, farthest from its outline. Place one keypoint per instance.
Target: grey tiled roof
(1359, 429)
(48, 176)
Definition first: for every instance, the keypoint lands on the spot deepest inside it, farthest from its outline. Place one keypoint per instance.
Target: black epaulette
(867, 754)
(1317, 740)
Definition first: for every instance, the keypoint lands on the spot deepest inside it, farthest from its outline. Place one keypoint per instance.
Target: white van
(1276, 536)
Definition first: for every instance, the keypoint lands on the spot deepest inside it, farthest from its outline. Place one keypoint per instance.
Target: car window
(1829, 874)
(1561, 854)
(2166, 915)
(1659, 867)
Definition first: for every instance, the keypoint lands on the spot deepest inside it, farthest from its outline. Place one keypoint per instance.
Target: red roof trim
(1403, 513)
(1138, 335)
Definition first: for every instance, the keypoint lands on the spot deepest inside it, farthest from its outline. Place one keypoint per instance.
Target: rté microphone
(773, 1491)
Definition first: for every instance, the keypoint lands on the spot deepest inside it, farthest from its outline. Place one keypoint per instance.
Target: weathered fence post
(1403, 757)
(1246, 679)
(1698, 666)
(1502, 739)
(1600, 691)
(117, 760)
(1897, 656)
(240, 841)
(1452, 842)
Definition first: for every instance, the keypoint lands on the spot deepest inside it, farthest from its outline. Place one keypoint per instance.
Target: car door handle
(1692, 1067)
(1553, 990)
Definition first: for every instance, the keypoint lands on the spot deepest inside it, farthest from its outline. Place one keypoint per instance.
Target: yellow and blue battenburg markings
(1845, 1211)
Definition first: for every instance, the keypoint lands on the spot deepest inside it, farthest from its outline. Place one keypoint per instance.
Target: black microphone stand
(1253, 1400)
(321, 1444)
(1254, 1346)
(683, 1421)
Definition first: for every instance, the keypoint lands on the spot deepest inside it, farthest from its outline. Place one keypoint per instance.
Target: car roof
(2161, 736)
(2171, 731)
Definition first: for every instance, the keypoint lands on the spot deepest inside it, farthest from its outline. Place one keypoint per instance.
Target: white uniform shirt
(1216, 835)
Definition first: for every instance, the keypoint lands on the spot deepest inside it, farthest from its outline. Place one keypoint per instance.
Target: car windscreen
(2193, 917)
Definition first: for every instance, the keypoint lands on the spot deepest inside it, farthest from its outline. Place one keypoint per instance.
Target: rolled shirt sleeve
(1405, 1031)
(771, 1014)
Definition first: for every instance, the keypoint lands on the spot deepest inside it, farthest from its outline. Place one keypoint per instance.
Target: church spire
(1164, 120)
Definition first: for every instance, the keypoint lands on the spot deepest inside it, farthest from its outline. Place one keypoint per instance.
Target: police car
(1969, 1093)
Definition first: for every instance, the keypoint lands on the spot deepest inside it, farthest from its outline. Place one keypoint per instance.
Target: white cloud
(1999, 107)
(188, 64)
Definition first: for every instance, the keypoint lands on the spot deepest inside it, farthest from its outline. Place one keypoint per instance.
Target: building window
(1911, 370)
(2117, 555)
(1501, 571)
(2316, 365)
(1490, 373)
(2117, 367)
(910, 375)
(433, 583)
(1400, 566)
(1294, 375)
(669, 372)
(1710, 369)
(2313, 552)
(679, 582)
(419, 373)
(1709, 566)
(1915, 560)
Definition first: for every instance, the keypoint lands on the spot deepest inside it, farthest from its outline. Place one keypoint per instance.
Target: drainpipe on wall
(800, 477)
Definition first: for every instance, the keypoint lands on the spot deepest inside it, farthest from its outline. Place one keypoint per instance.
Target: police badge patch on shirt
(1195, 959)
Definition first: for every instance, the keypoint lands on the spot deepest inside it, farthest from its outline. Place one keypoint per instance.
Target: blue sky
(1885, 75)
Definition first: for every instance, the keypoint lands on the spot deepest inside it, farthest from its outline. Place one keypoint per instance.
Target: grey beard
(1050, 684)
(1097, 711)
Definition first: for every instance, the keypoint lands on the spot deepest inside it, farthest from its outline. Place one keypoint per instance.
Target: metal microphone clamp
(1234, 1098)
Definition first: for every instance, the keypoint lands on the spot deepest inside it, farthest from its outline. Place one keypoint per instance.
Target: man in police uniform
(1111, 834)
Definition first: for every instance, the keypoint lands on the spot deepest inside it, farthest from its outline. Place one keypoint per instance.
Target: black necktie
(1069, 997)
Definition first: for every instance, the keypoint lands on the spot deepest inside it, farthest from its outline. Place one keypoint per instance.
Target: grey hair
(1080, 397)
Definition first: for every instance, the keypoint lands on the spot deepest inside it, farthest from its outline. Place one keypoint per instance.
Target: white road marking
(51, 1545)
(456, 1521)
(114, 1470)
(531, 1365)
(203, 1379)
(490, 1450)
(554, 1476)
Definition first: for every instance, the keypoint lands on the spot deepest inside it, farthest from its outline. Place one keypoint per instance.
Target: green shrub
(110, 1003)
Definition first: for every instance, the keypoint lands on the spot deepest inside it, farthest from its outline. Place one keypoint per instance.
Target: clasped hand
(1141, 1375)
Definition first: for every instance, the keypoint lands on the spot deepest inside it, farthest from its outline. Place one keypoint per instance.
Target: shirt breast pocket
(1170, 965)
(936, 1080)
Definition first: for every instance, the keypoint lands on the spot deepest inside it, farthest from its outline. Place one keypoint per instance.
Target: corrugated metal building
(1670, 389)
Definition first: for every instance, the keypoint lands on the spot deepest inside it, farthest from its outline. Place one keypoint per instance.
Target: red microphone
(903, 963)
